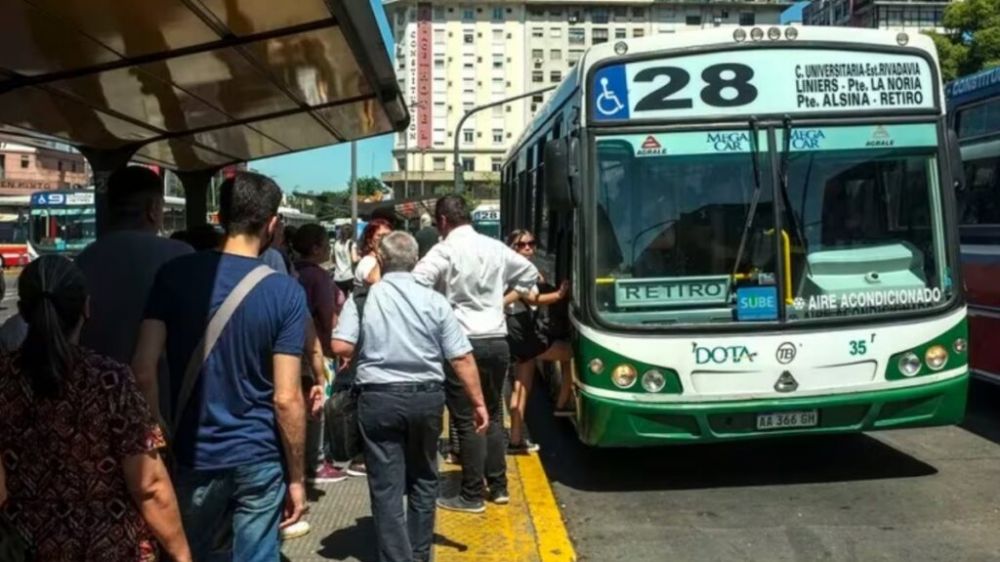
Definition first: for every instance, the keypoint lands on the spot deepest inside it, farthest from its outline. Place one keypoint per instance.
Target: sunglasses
(528, 244)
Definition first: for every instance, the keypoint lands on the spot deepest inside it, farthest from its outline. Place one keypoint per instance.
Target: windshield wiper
(786, 128)
(751, 210)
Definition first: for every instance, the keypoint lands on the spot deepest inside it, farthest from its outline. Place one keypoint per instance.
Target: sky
(329, 168)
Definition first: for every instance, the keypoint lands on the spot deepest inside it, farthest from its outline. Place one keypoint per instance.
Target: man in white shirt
(474, 272)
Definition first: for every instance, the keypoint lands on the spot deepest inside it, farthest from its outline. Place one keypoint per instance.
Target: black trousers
(482, 456)
(400, 432)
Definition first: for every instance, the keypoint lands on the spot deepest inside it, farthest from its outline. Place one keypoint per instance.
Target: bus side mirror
(561, 177)
(955, 160)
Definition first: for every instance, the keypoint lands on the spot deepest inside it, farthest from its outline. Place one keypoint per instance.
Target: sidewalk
(529, 529)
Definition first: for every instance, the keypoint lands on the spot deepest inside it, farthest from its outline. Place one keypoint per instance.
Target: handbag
(341, 410)
(13, 546)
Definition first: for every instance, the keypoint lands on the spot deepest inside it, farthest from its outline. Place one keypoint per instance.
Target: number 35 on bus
(758, 226)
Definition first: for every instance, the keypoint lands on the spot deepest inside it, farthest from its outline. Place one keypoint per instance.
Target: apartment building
(25, 169)
(452, 56)
(894, 15)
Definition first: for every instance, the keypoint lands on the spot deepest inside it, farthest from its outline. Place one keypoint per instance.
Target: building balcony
(438, 176)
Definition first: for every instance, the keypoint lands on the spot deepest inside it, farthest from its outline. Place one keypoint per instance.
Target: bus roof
(982, 84)
(707, 39)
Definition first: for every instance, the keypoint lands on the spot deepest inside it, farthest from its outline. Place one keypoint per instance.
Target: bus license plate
(783, 420)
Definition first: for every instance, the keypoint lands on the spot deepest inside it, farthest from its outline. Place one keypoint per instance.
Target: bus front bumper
(617, 423)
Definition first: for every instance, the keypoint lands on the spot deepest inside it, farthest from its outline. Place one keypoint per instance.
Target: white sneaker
(296, 530)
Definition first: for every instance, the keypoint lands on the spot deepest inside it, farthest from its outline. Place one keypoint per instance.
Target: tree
(369, 185)
(972, 40)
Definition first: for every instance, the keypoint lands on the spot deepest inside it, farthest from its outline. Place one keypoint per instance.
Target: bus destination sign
(761, 82)
(671, 291)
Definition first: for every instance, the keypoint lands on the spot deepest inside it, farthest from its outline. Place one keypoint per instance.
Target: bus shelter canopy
(196, 84)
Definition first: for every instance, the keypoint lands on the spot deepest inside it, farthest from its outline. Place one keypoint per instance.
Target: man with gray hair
(427, 236)
(403, 334)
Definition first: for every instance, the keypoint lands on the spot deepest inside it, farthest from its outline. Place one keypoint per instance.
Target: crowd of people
(170, 398)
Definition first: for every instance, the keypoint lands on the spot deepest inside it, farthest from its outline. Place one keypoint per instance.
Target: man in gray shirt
(404, 335)
(121, 265)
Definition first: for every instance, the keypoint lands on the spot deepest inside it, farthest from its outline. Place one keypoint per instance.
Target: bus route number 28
(718, 78)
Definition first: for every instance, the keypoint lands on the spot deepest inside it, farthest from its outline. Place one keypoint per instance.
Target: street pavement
(914, 495)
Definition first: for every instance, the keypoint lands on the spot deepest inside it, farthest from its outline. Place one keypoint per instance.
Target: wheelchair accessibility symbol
(607, 102)
(610, 94)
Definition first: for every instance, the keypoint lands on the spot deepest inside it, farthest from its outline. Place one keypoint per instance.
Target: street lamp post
(459, 170)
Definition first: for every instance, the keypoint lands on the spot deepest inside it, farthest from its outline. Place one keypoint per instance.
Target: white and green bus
(759, 229)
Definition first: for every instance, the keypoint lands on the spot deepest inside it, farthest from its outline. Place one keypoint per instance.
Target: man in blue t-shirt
(239, 442)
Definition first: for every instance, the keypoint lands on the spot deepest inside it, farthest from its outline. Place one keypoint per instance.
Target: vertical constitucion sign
(424, 78)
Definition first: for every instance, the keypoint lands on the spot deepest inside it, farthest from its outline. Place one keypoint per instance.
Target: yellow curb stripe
(550, 531)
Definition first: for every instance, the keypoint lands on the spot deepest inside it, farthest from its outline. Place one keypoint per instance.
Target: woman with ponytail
(81, 477)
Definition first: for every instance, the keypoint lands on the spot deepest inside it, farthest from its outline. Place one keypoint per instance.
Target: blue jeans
(244, 502)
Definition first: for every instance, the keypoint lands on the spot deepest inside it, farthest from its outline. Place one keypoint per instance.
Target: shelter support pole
(103, 163)
(196, 185)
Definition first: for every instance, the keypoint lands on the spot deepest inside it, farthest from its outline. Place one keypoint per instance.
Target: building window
(59, 165)
(555, 55)
(25, 160)
(537, 54)
(497, 14)
(574, 56)
(401, 164)
(438, 13)
(496, 164)
(577, 36)
(693, 20)
(439, 163)
(468, 14)
(439, 63)
(536, 12)
(497, 136)
(498, 87)
(621, 13)
(497, 111)
(555, 33)
(468, 37)
(600, 15)
(748, 18)
(555, 76)
(497, 60)
(638, 13)
(498, 37)
(468, 135)
(467, 106)
(537, 76)
(537, 32)
(620, 33)
(468, 164)
(599, 35)
(638, 32)
(439, 36)
(574, 16)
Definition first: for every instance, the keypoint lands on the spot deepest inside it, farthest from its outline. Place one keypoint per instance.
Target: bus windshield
(69, 229)
(684, 235)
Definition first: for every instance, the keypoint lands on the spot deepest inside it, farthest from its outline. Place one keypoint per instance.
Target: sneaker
(296, 530)
(328, 474)
(357, 469)
(452, 458)
(458, 503)
(522, 448)
(500, 496)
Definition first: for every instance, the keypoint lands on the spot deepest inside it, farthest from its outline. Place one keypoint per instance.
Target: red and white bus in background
(14, 250)
(974, 114)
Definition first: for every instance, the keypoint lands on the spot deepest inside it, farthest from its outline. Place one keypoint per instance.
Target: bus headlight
(653, 381)
(909, 364)
(596, 366)
(623, 376)
(960, 345)
(936, 357)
